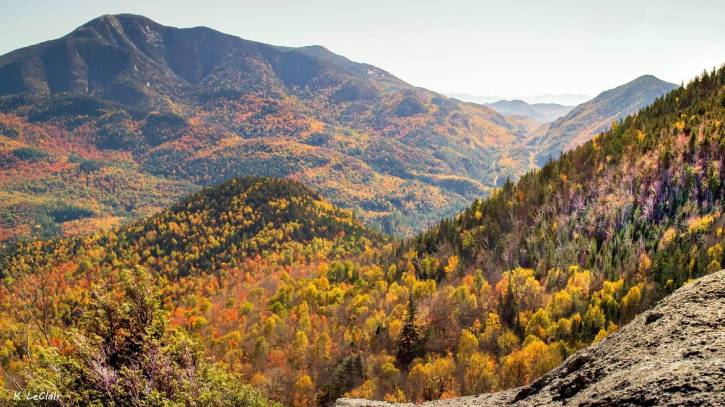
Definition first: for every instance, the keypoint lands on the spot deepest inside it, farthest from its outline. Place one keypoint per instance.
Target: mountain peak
(648, 77)
(596, 115)
(182, 89)
(121, 17)
(644, 83)
(646, 80)
(135, 61)
(118, 23)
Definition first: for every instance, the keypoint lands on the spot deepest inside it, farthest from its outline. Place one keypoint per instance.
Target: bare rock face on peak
(671, 355)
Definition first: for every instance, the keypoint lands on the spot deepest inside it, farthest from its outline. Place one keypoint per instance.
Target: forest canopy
(262, 281)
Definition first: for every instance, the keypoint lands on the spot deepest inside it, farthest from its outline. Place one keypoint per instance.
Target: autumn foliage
(262, 280)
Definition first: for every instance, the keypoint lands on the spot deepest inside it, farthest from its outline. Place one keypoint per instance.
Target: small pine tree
(409, 344)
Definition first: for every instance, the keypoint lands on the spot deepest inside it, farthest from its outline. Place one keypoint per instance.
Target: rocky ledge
(671, 355)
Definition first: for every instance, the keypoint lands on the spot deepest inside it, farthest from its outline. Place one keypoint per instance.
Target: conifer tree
(409, 344)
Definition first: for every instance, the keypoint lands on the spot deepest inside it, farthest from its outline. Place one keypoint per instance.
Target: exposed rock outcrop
(671, 355)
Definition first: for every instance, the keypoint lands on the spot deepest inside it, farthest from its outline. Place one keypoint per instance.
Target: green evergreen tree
(410, 345)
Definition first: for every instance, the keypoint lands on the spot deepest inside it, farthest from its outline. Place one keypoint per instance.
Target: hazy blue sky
(482, 47)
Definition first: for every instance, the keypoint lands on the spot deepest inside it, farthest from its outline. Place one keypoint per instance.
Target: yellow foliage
(409, 279)
(491, 331)
(300, 341)
(713, 266)
(631, 301)
(579, 282)
(259, 380)
(600, 335)
(467, 345)
(560, 304)
(613, 288)
(645, 264)
(479, 374)
(640, 136)
(394, 328)
(562, 328)
(424, 289)
(527, 291)
(538, 324)
(452, 265)
(304, 392)
(366, 390)
(701, 224)
(523, 366)
(715, 252)
(431, 380)
(667, 238)
(507, 342)
(396, 397)
(594, 318)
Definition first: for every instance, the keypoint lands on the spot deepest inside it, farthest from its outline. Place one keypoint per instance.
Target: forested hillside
(105, 317)
(295, 297)
(669, 355)
(123, 116)
(597, 115)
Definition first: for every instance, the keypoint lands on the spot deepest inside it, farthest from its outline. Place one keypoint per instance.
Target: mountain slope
(489, 300)
(137, 62)
(640, 205)
(193, 107)
(670, 355)
(541, 112)
(241, 218)
(592, 117)
(214, 267)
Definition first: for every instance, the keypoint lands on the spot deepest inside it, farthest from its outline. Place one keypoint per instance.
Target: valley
(279, 288)
(401, 157)
(189, 218)
(220, 106)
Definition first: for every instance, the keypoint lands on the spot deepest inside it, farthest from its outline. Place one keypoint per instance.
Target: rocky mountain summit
(671, 355)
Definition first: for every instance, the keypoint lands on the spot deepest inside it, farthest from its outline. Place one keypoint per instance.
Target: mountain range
(260, 290)
(124, 116)
(170, 110)
(566, 99)
(541, 112)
